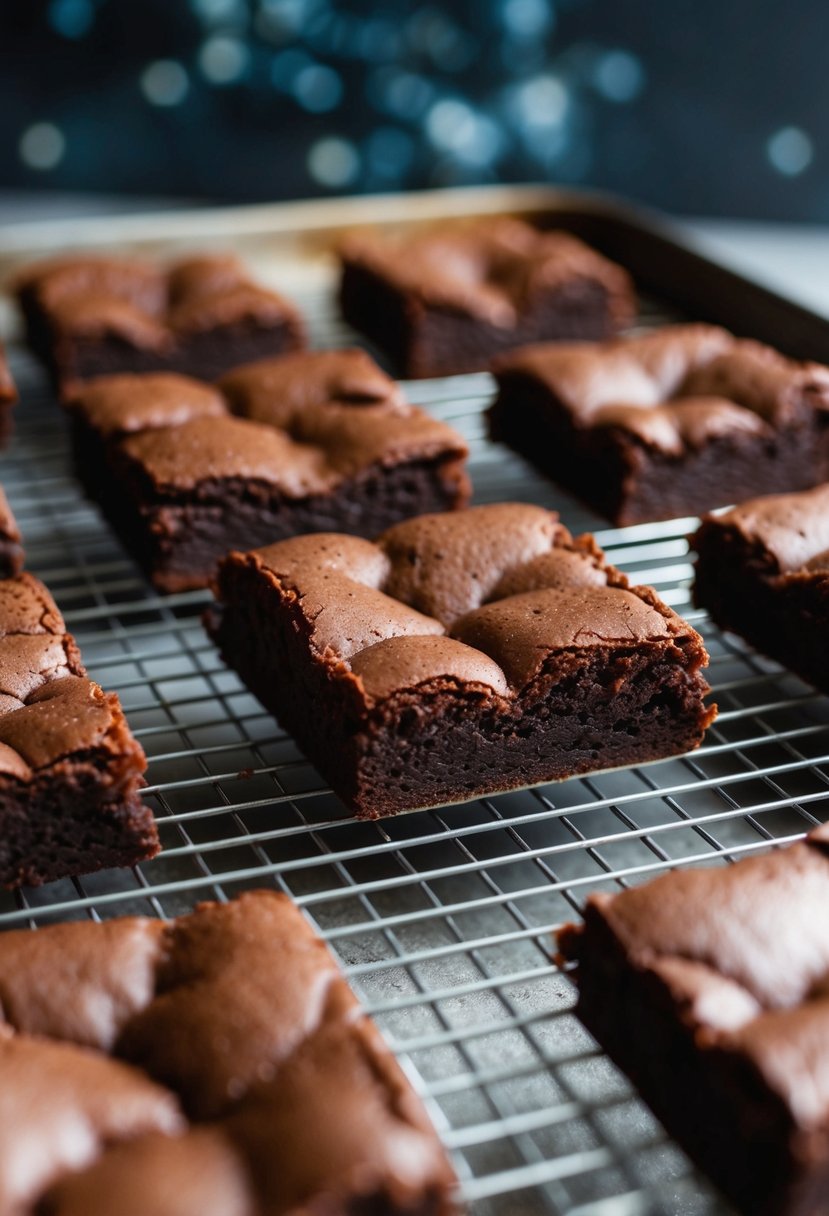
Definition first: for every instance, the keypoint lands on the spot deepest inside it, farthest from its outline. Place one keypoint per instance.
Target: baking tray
(441, 919)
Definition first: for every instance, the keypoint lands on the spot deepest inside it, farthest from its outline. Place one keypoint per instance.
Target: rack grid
(441, 919)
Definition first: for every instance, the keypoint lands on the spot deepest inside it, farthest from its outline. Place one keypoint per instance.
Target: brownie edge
(71, 771)
(762, 571)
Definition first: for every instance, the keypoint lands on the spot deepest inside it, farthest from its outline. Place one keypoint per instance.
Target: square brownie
(11, 546)
(213, 1065)
(8, 397)
(459, 655)
(89, 316)
(762, 571)
(670, 423)
(446, 300)
(316, 441)
(70, 770)
(709, 988)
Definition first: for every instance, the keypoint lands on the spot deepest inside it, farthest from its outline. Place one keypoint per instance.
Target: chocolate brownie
(11, 547)
(763, 572)
(214, 1065)
(709, 988)
(459, 655)
(670, 423)
(70, 770)
(317, 440)
(89, 316)
(448, 299)
(8, 397)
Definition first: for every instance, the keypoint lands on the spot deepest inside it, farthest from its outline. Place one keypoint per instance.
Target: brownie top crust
(224, 1045)
(276, 390)
(131, 280)
(493, 269)
(212, 449)
(124, 404)
(792, 530)
(742, 953)
(482, 597)
(674, 389)
(8, 392)
(145, 304)
(49, 710)
(300, 423)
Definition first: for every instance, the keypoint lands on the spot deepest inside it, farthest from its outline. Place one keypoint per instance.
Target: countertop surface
(790, 258)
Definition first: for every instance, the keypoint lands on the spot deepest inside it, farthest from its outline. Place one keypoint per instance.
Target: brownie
(89, 316)
(709, 988)
(70, 770)
(315, 441)
(11, 547)
(8, 397)
(762, 571)
(670, 423)
(213, 1065)
(445, 300)
(458, 655)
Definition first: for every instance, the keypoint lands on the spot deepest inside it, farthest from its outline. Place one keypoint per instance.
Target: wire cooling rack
(442, 919)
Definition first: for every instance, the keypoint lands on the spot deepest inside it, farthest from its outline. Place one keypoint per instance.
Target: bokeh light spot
(285, 16)
(318, 88)
(219, 10)
(165, 82)
(333, 162)
(454, 126)
(42, 146)
(71, 18)
(528, 18)
(405, 94)
(619, 76)
(223, 59)
(790, 151)
(543, 101)
(450, 123)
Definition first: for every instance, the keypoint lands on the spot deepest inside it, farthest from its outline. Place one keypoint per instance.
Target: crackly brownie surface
(278, 391)
(709, 987)
(444, 300)
(121, 405)
(669, 423)
(11, 542)
(459, 654)
(314, 441)
(89, 316)
(214, 1065)
(70, 770)
(763, 571)
(341, 404)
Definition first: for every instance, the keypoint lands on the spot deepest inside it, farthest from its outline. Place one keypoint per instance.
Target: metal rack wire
(442, 919)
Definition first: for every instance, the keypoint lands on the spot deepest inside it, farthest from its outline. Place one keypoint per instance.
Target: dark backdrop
(698, 106)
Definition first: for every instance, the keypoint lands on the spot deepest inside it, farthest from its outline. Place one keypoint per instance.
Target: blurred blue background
(698, 107)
